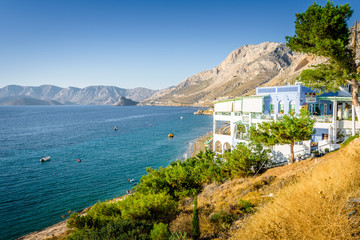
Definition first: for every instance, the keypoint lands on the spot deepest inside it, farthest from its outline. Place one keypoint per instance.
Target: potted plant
(326, 150)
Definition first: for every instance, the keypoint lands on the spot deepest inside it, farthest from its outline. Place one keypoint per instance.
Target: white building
(333, 112)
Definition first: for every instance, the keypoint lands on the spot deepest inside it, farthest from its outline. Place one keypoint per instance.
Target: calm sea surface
(35, 195)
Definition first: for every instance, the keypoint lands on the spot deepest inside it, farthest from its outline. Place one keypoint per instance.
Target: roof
(241, 98)
(343, 99)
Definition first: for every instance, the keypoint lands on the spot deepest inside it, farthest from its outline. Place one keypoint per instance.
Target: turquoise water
(35, 195)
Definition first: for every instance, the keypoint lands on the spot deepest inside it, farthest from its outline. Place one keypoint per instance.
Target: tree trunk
(355, 98)
(292, 152)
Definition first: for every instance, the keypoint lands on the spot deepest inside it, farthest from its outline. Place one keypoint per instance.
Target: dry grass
(312, 199)
(323, 204)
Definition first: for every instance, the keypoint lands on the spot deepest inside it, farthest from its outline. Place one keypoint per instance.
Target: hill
(240, 73)
(125, 102)
(93, 95)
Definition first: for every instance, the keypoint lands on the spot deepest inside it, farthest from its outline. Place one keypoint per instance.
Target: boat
(44, 159)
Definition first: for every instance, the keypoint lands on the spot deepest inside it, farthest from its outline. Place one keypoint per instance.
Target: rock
(125, 102)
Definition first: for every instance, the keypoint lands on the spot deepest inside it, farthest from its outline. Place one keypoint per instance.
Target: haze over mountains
(53, 95)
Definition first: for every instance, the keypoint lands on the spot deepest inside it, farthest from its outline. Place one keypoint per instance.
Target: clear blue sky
(133, 43)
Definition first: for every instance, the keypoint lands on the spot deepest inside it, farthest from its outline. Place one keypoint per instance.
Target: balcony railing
(223, 113)
(323, 119)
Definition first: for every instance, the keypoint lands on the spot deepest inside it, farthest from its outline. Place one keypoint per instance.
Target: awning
(338, 99)
(253, 104)
(223, 107)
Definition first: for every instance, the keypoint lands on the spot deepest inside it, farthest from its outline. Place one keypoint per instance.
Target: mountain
(14, 101)
(240, 73)
(125, 102)
(93, 95)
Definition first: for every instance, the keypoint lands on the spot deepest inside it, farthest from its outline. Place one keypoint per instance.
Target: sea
(35, 195)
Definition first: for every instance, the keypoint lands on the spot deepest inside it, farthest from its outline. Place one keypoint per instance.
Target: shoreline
(60, 229)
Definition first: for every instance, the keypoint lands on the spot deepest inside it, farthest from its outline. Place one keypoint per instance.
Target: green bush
(178, 236)
(347, 141)
(246, 206)
(245, 160)
(119, 230)
(223, 220)
(195, 221)
(160, 232)
(150, 207)
(182, 179)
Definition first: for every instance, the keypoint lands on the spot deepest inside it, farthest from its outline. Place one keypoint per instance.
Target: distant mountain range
(53, 95)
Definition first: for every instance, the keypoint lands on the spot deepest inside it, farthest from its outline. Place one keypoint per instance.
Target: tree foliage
(195, 221)
(323, 31)
(244, 160)
(288, 130)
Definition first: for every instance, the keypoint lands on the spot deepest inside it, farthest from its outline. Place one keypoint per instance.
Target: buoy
(171, 135)
(181, 117)
(79, 160)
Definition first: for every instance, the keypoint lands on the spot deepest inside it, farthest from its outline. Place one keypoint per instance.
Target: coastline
(60, 230)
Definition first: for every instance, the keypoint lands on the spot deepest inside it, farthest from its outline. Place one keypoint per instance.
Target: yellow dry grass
(322, 204)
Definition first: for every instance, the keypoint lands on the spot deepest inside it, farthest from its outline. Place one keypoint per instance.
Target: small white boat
(44, 159)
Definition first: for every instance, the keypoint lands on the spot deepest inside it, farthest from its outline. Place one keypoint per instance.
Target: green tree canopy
(323, 31)
(288, 130)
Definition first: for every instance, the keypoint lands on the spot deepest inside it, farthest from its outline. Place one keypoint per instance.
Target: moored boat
(44, 159)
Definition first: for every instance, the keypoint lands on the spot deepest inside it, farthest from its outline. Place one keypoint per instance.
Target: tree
(323, 31)
(195, 221)
(245, 159)
(288, 130)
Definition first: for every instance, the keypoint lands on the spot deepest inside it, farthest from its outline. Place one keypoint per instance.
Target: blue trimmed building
(333, 112)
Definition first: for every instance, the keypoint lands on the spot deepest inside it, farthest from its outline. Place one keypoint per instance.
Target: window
(271, 107)
(325, 136)
(281, 107)
(292, 107)
(240, 131)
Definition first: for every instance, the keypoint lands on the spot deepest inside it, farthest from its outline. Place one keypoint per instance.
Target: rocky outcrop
(125, 102)
(93, 95)
(240, 73)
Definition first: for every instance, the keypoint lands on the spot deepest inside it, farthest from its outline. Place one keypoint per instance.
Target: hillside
(22, 101)
(240, 73)
(317, 198)
(93, 95)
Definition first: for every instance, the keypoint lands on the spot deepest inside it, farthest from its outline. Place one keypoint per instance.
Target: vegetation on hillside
(157, 197)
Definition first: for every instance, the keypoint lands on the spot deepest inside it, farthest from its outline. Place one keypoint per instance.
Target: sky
(135, 43)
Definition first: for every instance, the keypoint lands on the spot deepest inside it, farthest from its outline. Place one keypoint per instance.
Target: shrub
(244, 160)
(160, 232)
(178, 236)
(149, 207)
(195, 221)
(347, 141)
(246, 206)
(222, 220)
(119, 229)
